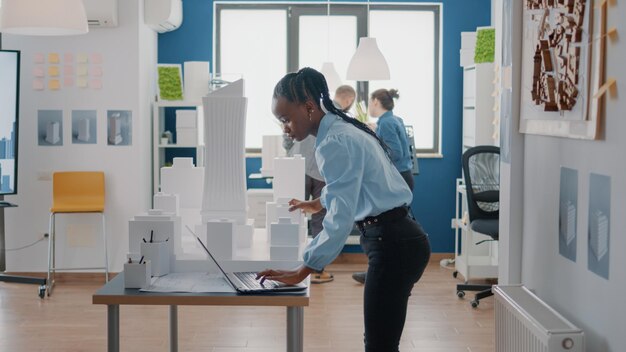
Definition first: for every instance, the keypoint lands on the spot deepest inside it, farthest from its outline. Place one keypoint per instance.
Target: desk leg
(173, 328)
(113, 327)
(295, 329)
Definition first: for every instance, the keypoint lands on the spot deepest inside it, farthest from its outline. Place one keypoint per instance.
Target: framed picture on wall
(562, 68)
(170, 82)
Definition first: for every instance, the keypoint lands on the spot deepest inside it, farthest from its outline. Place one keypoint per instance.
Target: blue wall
(434, 193)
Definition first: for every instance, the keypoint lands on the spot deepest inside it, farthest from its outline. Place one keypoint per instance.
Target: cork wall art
(562, 67)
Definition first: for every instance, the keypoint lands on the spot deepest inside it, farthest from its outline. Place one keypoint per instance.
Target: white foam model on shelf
(289, 177)
(272, 148)
(196, 79)
(186, 127)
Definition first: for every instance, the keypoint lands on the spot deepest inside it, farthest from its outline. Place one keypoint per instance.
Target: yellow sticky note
(54, 84)
(53, 58)
(81, 70)
(81, 82)
(53, 71)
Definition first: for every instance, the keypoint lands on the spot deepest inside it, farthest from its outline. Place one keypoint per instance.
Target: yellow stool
(75, 192)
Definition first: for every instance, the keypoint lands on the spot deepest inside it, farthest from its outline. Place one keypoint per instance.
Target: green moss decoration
(170, 85)
(485, 45)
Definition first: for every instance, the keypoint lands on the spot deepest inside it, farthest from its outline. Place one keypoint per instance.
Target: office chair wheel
(455, 274)
(474, 303)
(460, 294)
(42, 291)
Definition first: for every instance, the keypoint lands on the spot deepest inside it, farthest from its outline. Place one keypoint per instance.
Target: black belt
(389, 215)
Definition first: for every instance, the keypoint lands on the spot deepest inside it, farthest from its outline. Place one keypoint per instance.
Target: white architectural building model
(289, 177)
(83, 130)
(115, 128)
(272, 148)
(53, 133)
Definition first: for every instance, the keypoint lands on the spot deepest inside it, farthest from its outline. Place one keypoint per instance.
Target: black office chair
(481, 170)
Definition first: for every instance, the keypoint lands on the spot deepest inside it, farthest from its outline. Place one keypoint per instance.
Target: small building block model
(220, 238)
(556, 61)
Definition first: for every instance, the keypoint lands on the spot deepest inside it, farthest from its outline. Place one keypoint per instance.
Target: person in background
(391, 130)
(344, 98)
(314, 182)
(362, 186)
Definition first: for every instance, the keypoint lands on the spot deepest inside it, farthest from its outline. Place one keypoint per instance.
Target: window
(288, 36)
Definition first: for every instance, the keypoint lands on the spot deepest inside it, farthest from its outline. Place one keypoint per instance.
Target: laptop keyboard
(249, 279)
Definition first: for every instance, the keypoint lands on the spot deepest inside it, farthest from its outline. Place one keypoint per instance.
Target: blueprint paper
(189, 282)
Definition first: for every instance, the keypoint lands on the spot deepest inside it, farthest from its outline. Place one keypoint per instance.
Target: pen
(141, 260)
(151, 234)
(144, 240)
(167, 239)
(130, 261)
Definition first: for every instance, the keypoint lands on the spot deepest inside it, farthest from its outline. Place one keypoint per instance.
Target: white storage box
(187, 136)
(468, 40)
(187, 118)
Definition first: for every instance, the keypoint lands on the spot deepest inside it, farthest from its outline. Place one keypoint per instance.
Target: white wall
(129, 60)
(591, 302)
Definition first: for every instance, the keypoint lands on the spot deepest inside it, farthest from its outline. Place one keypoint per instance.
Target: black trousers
(408, 178)
(398, 253)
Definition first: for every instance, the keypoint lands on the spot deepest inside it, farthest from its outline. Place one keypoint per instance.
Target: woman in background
(362, 186)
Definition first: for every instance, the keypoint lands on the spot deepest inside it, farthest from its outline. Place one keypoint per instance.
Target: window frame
(358, 9)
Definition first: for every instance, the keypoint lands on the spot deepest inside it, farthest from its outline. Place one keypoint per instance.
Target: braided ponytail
(309, 84)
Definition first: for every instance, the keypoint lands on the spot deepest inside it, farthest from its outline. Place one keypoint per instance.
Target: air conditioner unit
(101, 13)
(163, 15)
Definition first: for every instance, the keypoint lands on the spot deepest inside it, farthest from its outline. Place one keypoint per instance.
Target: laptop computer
(246, 282)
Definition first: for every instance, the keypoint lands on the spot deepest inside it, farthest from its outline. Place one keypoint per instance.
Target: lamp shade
(368, 63)
(331, 76)
(43, 17)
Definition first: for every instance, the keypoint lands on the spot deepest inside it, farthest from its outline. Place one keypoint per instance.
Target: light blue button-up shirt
(360, 180)
(391, 130)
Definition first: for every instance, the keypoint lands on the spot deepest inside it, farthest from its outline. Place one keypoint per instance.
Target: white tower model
(224, 140)
(224, 197)
(115, 128)
(53, 133)
(83, 130)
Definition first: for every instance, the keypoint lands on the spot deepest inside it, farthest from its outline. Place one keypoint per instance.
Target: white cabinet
(478, 105)
(471, 260)
(160, 147)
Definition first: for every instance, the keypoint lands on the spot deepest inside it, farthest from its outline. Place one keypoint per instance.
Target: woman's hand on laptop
(288, 277)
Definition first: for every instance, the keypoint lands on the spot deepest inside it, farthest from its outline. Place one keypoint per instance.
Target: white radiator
(524, 323)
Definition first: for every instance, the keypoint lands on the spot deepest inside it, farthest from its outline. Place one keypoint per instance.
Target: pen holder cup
(159, 254)
(137, 275)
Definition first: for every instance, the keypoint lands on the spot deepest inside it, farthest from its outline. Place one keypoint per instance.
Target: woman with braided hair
(362, 186)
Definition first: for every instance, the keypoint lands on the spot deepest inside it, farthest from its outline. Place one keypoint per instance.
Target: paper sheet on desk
(189, 282)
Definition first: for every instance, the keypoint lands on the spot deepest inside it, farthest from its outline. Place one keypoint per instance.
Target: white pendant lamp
(368, 63)
(332, 77)
(43, 17)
